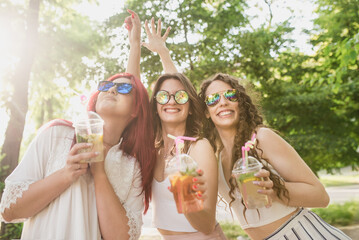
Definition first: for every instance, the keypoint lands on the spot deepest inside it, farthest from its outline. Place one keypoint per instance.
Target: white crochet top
(73, 214)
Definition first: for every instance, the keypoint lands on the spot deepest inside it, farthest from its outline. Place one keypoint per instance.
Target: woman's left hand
(199, 185)
(133, 25)
(156, 42)
(267, 184)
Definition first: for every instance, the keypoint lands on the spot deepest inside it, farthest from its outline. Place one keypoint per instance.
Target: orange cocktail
(181, 185)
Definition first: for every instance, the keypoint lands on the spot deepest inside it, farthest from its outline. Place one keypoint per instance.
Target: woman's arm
(157, 43)
(205, 220)
(42, 192)
(112, 215)
(133, 25)
(305, 189)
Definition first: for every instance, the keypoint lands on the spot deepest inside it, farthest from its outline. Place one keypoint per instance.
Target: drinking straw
(179, 141)
(244, 163)
(245, 149)
(83, 100)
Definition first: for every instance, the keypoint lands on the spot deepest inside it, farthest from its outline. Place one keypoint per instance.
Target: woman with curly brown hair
(232, 118)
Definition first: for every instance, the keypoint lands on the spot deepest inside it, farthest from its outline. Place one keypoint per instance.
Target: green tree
(337, 58)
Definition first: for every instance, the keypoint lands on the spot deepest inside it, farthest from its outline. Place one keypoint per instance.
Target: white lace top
(73, 214)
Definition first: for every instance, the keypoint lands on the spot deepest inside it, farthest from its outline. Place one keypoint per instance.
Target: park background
(299, 57)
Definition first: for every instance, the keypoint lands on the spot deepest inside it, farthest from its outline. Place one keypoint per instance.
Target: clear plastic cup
(244, 175)
(181, 169)
(89, 129)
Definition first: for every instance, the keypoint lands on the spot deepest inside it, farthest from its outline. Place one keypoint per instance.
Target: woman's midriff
(259, 233)
(166, 232)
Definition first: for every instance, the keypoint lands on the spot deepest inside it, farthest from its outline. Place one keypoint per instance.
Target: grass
(232, 230)
(339, 215)
(339, 180)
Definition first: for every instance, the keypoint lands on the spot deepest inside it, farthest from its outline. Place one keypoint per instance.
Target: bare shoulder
(267, 135)
(202, 145)
(273, 145)
(270, 140)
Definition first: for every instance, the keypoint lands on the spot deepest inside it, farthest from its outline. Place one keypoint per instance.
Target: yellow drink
(96, 140)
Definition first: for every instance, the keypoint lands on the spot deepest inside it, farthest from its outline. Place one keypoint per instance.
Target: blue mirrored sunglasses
(123, 88)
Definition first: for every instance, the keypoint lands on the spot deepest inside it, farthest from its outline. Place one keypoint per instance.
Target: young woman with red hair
(63, 198)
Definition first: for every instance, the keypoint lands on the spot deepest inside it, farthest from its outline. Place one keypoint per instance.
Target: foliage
(12, 231)
(340, 214)
(337, 62)
(298, 91)
(313, 100)
(232, 230)
(60, 58)
(199, 32)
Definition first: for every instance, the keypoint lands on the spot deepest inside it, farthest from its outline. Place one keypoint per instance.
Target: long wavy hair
(249, 120)
(194, 119)
(138, 136)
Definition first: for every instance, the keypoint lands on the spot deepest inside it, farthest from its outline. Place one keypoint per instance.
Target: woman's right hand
(76, 163)
(156, 42)
(133, 25)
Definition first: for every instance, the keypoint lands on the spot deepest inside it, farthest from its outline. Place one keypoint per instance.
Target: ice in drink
(181, 169)
(244, 175)
(89, 129)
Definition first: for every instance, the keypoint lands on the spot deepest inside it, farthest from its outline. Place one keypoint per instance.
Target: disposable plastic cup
(181, 169)
(89, 129)
(244, 175)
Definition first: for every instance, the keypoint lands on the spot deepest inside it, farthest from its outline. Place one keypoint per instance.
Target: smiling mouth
(225, 113)
(171, 110)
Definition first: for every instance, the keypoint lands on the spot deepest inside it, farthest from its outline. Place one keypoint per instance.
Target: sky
(302, 16)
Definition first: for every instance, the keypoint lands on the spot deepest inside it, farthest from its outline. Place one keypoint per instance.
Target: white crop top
(165, 215)
(253, 218)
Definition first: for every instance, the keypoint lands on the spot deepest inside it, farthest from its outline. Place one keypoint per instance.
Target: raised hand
(133, 25)
(156, 42)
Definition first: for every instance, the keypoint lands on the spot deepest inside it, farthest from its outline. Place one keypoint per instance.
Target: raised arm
(115, 219)
(305, 189)
(133, 25)
(157, 43)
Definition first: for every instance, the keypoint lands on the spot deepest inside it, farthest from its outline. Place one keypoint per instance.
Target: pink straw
(245, 149)
(243, 159)
(178, 141)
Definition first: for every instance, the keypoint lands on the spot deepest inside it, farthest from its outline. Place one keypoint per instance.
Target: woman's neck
(112, 132)
(227, 138)
(174, 130)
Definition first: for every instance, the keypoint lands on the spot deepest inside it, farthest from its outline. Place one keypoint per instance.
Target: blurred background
(299, 57)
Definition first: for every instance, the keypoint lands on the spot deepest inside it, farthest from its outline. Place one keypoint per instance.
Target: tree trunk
(18, 104)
